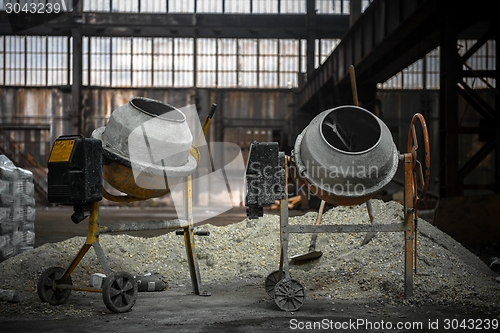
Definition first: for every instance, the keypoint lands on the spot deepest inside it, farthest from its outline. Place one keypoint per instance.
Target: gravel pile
(248, 251)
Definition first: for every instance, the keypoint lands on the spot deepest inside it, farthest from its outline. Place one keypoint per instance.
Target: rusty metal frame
(413, 169)
(94, 230)
(187, 224)
(408, 227)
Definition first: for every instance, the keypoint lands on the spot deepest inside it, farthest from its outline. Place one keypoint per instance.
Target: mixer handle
(425, 173)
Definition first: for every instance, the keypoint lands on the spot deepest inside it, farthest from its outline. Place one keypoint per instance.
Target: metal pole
(284, 234)
(409, 233)
(189, 236)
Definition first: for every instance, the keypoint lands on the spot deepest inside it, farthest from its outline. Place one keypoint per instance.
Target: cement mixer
(345, 156)
(123, 154)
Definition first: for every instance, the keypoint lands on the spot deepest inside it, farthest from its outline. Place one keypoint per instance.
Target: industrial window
(142, 62)
(154, 62)
(139, 62)
(181, 6)
(183, 62)
(15, 60)
(121, 62)
(323, 49)
(288, 63)
(210, 6)
(100, 61)
(418, 76)
(228, 63)
(409, 78)
(247, 63)
(303, 56)
(215, 6)
(173, 62)
(96, 5)
(163, 62)
(237, 6)
(57, 60)
(207, 63)
(153, 6)
(483, 60)
(135, 6)
(432, 69)
(130, 6)
(293, 7)
(265, 6)
(338, 6)
(85, 61)
(34, 60)
(268, 62)
(2, 60)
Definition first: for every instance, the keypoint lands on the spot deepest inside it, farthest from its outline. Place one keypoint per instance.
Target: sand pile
(248, 251)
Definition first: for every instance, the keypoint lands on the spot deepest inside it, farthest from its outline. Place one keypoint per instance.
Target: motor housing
(75, 173)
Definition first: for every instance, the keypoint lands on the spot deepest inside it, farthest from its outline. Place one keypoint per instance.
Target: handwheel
(46, 289)
(271, 281)
(424, 174)
(119, 291)
(289, 294)
(417, 172)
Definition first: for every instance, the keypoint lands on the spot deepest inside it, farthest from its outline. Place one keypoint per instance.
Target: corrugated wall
(52, 107)
(242, 116)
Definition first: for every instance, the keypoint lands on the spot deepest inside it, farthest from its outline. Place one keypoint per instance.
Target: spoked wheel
(46, 289)
(289, 295)
(119, 291)
(271, 281)
(421, 173)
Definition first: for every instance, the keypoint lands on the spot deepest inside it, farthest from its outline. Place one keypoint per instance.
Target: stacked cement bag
(17, 209)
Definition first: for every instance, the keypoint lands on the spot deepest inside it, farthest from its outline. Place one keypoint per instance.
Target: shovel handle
(312, 246)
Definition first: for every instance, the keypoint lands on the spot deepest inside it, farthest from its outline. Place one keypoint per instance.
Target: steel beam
(200, 25)
(448, 106)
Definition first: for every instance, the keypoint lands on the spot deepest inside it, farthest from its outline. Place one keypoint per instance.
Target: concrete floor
(235, 306)
(241, 306)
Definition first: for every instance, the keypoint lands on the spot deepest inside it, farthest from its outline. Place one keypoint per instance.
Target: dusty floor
(242, 306)
(238, 305)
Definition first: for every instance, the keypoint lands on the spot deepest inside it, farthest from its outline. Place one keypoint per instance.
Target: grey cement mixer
(345, 156)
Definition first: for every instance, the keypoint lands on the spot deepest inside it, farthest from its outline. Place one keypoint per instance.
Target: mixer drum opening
(345, 155)
(154, 108)
(351, 130)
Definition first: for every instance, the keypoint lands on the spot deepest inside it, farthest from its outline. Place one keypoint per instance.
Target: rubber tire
(45, 289)
(289, 295)
(119, 292)
(271, 281)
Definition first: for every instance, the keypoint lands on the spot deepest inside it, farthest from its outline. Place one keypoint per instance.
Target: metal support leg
(189, 236)
(284, 234)
(92, 237)
(369, 235)
(409, 233)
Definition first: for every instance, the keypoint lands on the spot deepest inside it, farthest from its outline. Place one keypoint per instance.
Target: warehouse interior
(270, 66)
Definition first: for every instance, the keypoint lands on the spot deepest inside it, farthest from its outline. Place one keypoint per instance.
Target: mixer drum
(146, 148)
(345, 156)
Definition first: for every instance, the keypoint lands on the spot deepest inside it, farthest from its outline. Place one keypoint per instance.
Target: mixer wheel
(119, 291)
(271, 281)
(46, 289)
(289, 294)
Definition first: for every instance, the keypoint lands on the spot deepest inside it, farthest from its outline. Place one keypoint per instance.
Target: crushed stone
(448, 274)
